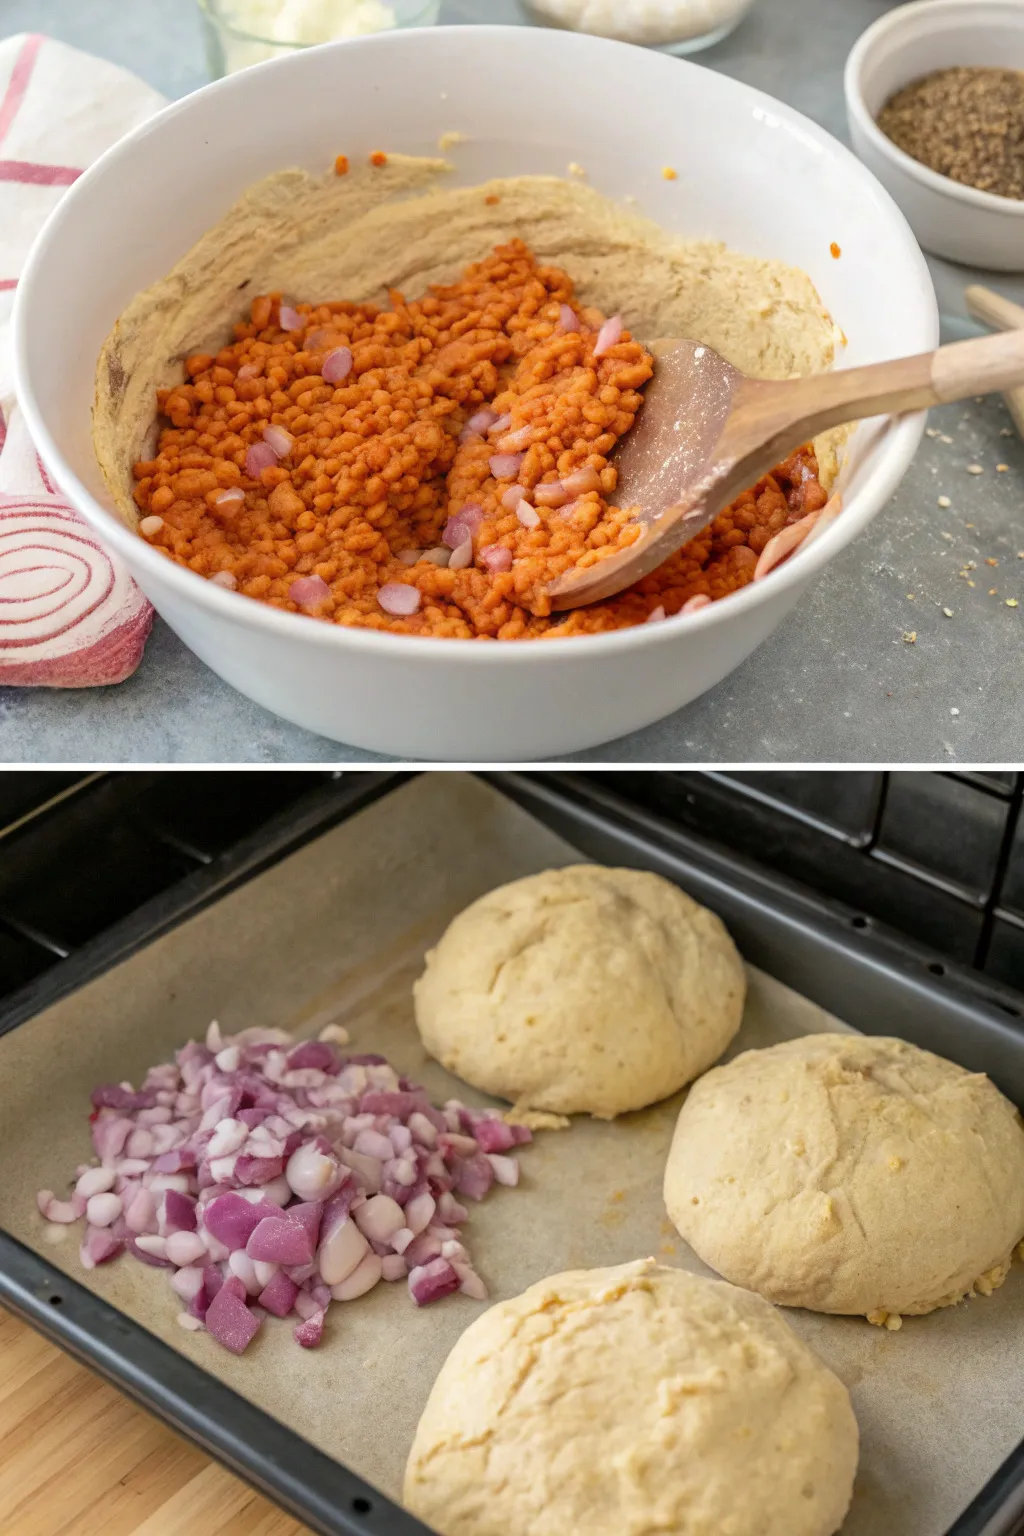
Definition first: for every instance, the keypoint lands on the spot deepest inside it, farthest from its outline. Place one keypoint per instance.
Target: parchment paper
(337, 932)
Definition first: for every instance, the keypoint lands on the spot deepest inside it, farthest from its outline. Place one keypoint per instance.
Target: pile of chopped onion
(266, 1176)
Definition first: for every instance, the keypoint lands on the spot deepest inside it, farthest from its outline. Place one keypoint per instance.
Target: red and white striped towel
(70, 615)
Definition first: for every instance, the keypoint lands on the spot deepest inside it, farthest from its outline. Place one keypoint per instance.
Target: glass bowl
(672, 26)
(243, 32)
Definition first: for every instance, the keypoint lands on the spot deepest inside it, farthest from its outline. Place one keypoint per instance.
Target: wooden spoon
(1002, 314)
(707, 432)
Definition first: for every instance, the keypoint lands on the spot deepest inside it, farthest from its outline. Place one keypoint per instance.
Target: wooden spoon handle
(809, 406)
(979, 367)
(1003, 315)
(993, 309)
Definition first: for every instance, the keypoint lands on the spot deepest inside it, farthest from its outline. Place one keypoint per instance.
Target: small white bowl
(742, 160)
(949, 219)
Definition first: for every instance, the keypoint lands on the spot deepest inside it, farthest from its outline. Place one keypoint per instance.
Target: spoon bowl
(706, 432)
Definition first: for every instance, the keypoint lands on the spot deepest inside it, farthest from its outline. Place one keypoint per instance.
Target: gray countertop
(839, 682)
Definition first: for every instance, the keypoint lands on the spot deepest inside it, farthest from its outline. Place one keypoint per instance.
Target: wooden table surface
(78, 1459)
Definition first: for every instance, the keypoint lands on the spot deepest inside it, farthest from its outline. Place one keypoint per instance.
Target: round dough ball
(581, 990)
(636, 1399)
(849, 1173)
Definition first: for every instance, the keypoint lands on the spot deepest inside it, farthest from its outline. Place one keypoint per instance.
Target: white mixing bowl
(751, 173)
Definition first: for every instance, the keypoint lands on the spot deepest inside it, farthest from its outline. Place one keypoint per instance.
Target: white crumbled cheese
(657, 23)
(300, 23)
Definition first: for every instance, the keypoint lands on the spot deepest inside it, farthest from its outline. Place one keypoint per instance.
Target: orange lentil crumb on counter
(378, 158)
(836, 250)
(341, 166)
(670, 173)
(431, 467)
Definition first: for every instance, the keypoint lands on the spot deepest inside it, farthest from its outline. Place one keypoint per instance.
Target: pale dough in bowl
(582, 990)
(850, 1174)
(620, 1402)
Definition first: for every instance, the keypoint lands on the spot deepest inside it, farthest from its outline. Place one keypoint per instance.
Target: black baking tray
(872, 978)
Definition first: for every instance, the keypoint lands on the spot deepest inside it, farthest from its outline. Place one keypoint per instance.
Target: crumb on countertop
(450, 139)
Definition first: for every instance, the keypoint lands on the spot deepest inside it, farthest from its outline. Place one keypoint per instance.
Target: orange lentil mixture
(371, 476)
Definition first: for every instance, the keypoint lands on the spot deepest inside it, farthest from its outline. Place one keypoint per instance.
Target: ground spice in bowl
(964, 123)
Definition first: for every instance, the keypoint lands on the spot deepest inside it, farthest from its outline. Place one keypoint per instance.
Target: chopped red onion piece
(506, 1169)
(341, 1252)
(310, 1332)
(313, 1174)
(305, 1305)
(373, 1144)
(656, 615)
(420, 1212)
(462, 557)
(480, 422)
(279, 1241)
(379, 1218)
(568, 319)
(362, 1279)
(290, 319)
(450, 1211)
(63, 1211)
(368, 1170)
(309, 591)
(551, 494)
(506, 466)
(497, 559)
(278, 1296)
(100, 1245)
(244, 1269)
(527, 515)
(429, 1282)
(697, 602)
(258, 457)
(398, 599)
(309, 1215)
(393, 1267)
(499, 425)
(513, 496)
(470, 1283)
(252, 1170)
(422, 1250)
(185, 1248)
(232, 1219)
(582, 481)
(337, 366)
(474, 1176)
(609, 335)
(187, 1282)
(149, 527)
(230, 1321)
(140, 1216)
(279, 440)
(493, 1135)
(179, 1212)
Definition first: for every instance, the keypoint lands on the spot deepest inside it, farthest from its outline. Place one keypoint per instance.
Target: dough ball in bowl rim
(170, 181)
(852, 1174)
(637, 1398)
(581, 990)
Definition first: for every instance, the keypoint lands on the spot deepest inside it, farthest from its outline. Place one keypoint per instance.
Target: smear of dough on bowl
(392, 404)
